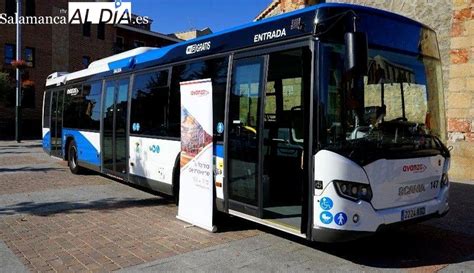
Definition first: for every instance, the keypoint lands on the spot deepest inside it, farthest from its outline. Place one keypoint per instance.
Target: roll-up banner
(196, 177)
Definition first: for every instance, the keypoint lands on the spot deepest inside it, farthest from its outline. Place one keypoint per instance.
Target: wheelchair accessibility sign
(326, 203)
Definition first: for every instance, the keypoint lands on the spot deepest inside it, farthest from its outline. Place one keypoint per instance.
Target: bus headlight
(353, 191)
(444, 180)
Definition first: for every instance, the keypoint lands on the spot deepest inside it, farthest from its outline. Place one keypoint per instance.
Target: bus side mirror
(357, 52)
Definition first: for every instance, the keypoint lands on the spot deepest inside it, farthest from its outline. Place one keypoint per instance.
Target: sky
(170, 16)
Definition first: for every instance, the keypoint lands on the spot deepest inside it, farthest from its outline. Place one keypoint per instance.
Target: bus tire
(176, 173)
(72, 158)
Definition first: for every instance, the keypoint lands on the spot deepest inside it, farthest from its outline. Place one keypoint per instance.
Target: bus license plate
(413, 213)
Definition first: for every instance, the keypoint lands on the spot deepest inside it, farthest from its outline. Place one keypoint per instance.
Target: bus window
(82, 106)
(150, 104)
(91, 106)
(72, 107)
(47, 110)
(216, 70)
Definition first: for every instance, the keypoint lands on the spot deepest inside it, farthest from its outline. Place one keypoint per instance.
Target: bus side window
(47, 110)
(216, 70)
(149, 110)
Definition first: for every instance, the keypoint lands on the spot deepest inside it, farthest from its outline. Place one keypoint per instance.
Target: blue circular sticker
(155, 149)
(325, 217)
(340, 218)
(220, 128)
(326, 203)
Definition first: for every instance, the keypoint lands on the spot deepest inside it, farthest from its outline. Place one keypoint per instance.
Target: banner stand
(196, 195)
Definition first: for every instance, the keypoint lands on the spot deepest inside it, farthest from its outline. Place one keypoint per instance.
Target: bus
(328, 122)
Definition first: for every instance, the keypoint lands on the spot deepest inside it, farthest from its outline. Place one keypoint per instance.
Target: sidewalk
(55, 221)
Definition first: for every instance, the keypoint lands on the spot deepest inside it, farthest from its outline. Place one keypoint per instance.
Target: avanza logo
(199, 93)
(414, 168)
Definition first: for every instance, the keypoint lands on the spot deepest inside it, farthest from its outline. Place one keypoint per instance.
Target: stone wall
(461, 90)
(281, 6)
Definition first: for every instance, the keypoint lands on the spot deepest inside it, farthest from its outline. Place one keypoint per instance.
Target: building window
(86, 29)
(10, 7)
(10, 54)
(28, 97)
(86, 60)
(137, 43)
(119, 43)
(30, 8)
(30, 56)
(101, 31)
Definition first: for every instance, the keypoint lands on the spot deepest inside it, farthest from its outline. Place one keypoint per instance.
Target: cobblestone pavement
(53, 221)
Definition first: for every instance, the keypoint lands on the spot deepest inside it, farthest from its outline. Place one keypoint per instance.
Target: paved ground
(51, 220)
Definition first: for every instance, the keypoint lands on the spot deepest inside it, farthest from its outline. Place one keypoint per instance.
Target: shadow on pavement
(104, 205)
(30, 169)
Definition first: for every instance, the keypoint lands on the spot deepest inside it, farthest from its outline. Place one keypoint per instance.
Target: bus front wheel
(72, 158)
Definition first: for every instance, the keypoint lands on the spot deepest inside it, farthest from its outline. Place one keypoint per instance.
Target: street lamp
(18, 74)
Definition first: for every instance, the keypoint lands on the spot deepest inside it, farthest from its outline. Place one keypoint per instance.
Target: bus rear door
(57, 105)
(114, 133)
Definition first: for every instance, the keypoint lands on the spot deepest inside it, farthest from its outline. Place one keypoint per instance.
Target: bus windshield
(394, 110)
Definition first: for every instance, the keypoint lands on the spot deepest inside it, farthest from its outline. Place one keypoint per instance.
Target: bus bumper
(347, 220)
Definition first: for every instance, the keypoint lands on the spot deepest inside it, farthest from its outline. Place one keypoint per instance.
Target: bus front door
(57, 123)
(114, 136)
(244, 135)
(266, 138)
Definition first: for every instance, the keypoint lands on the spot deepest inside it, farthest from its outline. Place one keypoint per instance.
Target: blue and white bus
(328, 121)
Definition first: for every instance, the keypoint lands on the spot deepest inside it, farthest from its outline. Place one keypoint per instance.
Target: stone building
(49, 48)
(191, 34)
(453, 21)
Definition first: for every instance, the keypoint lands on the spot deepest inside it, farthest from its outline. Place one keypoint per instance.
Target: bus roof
(289, 25)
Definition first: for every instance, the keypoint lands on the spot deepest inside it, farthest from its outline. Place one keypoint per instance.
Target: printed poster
(196, 177)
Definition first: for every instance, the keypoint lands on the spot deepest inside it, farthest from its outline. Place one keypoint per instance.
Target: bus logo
(72, 91)
(199, 93)
(195, 48)
(414, 168)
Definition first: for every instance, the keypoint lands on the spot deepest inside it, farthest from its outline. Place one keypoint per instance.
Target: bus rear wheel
(72, 158)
